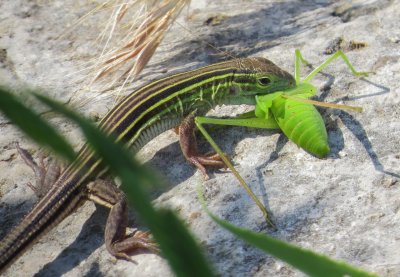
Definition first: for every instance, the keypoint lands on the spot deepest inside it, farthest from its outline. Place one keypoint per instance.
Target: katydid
(289, 110)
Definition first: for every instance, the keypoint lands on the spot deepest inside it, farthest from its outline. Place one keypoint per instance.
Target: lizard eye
(264, 81)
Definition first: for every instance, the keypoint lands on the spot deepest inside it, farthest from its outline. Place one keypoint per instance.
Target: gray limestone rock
(345, 206)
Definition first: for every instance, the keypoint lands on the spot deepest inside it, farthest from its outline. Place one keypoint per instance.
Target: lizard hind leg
(118, 242)
(46, 175)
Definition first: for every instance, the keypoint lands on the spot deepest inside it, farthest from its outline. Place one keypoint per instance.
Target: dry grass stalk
(140, 41)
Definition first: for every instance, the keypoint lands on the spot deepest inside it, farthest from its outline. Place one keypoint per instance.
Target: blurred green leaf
(33, 125)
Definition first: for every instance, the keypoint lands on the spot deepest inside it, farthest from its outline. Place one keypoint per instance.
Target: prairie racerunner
(138, 118)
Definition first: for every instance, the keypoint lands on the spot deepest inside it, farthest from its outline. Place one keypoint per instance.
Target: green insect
(291, 111)
(300, 122)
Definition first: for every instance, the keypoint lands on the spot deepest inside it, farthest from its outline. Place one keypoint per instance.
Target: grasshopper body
(302, 124)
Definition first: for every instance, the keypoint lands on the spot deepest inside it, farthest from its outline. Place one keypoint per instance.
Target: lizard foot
(45, 175)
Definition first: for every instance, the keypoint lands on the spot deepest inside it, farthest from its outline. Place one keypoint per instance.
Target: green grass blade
(309, 262)
(33, 125)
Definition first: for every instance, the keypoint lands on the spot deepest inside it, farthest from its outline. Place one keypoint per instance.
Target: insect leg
(338, 54)
(205, 120)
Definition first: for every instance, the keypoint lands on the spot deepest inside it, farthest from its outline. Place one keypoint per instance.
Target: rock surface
(346, 206)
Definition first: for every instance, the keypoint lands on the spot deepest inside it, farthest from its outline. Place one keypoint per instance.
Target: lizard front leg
(188, 143)
(118, 242)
